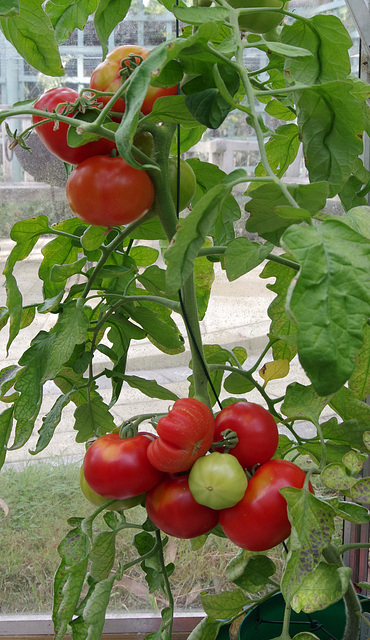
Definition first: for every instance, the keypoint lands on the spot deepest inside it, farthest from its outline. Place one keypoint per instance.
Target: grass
(40, 498)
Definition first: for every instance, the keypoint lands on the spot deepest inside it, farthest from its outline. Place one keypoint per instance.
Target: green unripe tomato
(188, 182)
(144, 141)
(217, 480)
(259, 22)
(98, 500)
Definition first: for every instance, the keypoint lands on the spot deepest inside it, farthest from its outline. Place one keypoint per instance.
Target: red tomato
(256, 429)
(185, 434)
(108, 191)
(106, 78)
(98, 500)
(260, 520)
(172, 508)
(120, 469)
(55, 139)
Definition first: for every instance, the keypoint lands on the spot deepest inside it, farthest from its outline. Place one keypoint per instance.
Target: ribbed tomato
(185, 434)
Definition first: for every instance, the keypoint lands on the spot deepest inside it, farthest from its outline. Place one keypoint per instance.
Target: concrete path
(237, 316)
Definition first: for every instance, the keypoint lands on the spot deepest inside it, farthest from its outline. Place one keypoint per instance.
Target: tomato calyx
(129, 65)
(229, 440)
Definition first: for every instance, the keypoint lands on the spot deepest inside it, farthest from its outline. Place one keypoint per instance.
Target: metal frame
(41, 626)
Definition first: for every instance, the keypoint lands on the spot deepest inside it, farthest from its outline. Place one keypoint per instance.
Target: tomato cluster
(101, 190)
(192, 481)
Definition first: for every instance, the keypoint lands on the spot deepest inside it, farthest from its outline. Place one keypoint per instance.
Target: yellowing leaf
(274, 370)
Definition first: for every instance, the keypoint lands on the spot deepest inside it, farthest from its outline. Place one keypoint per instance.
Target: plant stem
(353, 607)
(108, 249)
(171, 603)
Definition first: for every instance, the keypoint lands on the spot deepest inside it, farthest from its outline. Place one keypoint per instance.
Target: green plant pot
(265, 622)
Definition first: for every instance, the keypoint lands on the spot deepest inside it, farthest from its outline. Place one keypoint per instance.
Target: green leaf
(207, 629)
(345, 403)
(204, 277)
(208, 107)
(282, 325)
(303, 402)
(32, 35)
(334, 452)
(188, 138)
(208, 175)
(360, 491)
(74, 547)
(9, 8)
(108, 14)
(25, 233)
(150, 388)
(358, 219)
(349, 431)
(61, 272)
(350, 511)
(6, 423)
(71, 329)
(268, 198)
(50, 423)
(68, 584)
(29, 383)
(359, 381)
(328, 40)
(59, 251)
(93, 237)
(277, 110)
(225, 605)
(243, 255)
(92, 419)
(193, 230)
(200, 15)
(281, 150)
(102, 555)
(312, 529)
(331, 122)
(333, 284)
(164, 332)
(323, 587)
(96, 606)
(144, 256)
(68, 15)
(335, 477)
(236, 383)
(173, 109)
(250, 572)
(354, 462)
(149, 230)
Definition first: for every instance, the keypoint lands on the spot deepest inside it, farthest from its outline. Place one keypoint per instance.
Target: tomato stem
(162, 563)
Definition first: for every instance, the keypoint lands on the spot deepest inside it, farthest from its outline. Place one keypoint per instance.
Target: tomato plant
(119, 468)
(184, 434)
(259, 521)
(256, 430)
(259, 21)
(54, 136)
(98, 500)
(172, 508)
(107, 77)
(148, 282)
(107, 191)
(217, 480)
